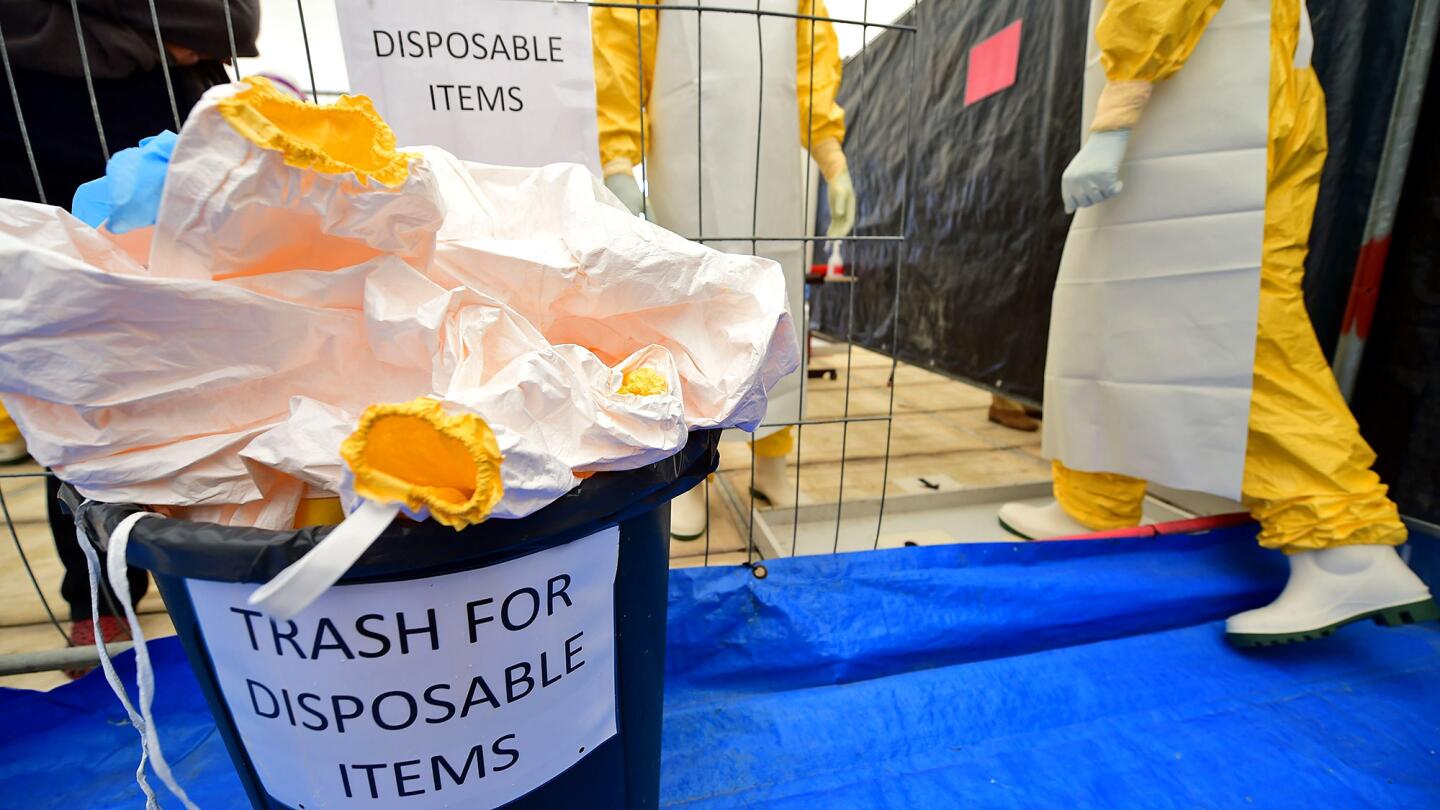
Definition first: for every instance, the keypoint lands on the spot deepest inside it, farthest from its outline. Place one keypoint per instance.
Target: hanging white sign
(508, 82)
(464, 690)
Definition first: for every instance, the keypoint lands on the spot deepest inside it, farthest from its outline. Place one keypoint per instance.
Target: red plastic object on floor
(1185, 526)
(82, 634)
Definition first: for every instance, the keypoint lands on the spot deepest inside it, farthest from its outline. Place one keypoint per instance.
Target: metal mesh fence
(760, 540)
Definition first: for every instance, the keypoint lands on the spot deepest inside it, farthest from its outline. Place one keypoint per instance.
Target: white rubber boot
(772, 487)
(687, 514)
(11, 452)
(1333, 587)
(1040, 522)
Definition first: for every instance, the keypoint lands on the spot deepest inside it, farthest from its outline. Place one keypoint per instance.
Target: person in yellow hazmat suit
(1302, 468)
(719, 102)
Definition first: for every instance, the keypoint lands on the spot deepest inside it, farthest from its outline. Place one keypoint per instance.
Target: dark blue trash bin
(623, 771)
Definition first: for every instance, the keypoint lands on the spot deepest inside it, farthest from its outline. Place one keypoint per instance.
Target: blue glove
(1094, 175)
(128, 196)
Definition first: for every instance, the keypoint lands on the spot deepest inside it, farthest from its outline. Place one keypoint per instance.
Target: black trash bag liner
(1359, 48)
(407, 549)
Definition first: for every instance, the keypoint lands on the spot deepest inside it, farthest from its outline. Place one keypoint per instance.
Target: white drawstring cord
(144, 672)
(143, 721)
(288, 593)
(92, 564)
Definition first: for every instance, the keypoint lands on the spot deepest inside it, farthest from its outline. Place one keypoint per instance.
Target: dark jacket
(120, 34)
(130, 86)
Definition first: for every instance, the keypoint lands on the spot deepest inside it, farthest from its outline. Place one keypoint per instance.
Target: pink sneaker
(82, 634)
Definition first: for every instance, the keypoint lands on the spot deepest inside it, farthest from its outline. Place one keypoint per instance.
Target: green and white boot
(772, 486)
(687, 514)
(1330, 588)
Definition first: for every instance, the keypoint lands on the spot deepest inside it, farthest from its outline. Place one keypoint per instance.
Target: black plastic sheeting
(984, 230)
(407, 549)
(1359, 48)
(1397, 396)
(984, 226)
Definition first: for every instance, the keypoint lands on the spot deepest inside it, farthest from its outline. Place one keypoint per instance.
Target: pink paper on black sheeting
(993, 64)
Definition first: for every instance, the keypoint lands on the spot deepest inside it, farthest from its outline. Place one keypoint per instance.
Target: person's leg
(687, 512)
(1307, 469)
(1308, 477)
(771, 454)
(75, 586)
(1308, 482)
(1099, 501)
(1084, 502)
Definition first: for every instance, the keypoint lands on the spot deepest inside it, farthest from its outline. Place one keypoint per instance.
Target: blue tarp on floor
(996, 675)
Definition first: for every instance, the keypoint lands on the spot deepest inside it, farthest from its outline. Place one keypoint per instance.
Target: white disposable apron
(1153, 322)
(722, 81)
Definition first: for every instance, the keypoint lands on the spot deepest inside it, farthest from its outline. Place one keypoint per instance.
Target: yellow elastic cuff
(416, 454)
(347, 136)
(1120, 105)
(776, 445)
(1099, 501)
(1315, 522)
(617, 166)
(643, 382)
(830, 157)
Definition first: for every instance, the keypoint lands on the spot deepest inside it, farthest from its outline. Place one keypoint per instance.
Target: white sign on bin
(464, 690)
(493, 81)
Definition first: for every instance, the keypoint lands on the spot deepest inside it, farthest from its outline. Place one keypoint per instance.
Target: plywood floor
(939, 431)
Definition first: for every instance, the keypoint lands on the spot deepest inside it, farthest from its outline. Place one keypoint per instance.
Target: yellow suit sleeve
(1143, 42)
(1149, 40)
(624, 41)
(821, 119)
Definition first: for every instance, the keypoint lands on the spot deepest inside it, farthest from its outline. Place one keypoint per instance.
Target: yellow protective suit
(617, 32)
(625, 121)
(1307, 470)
